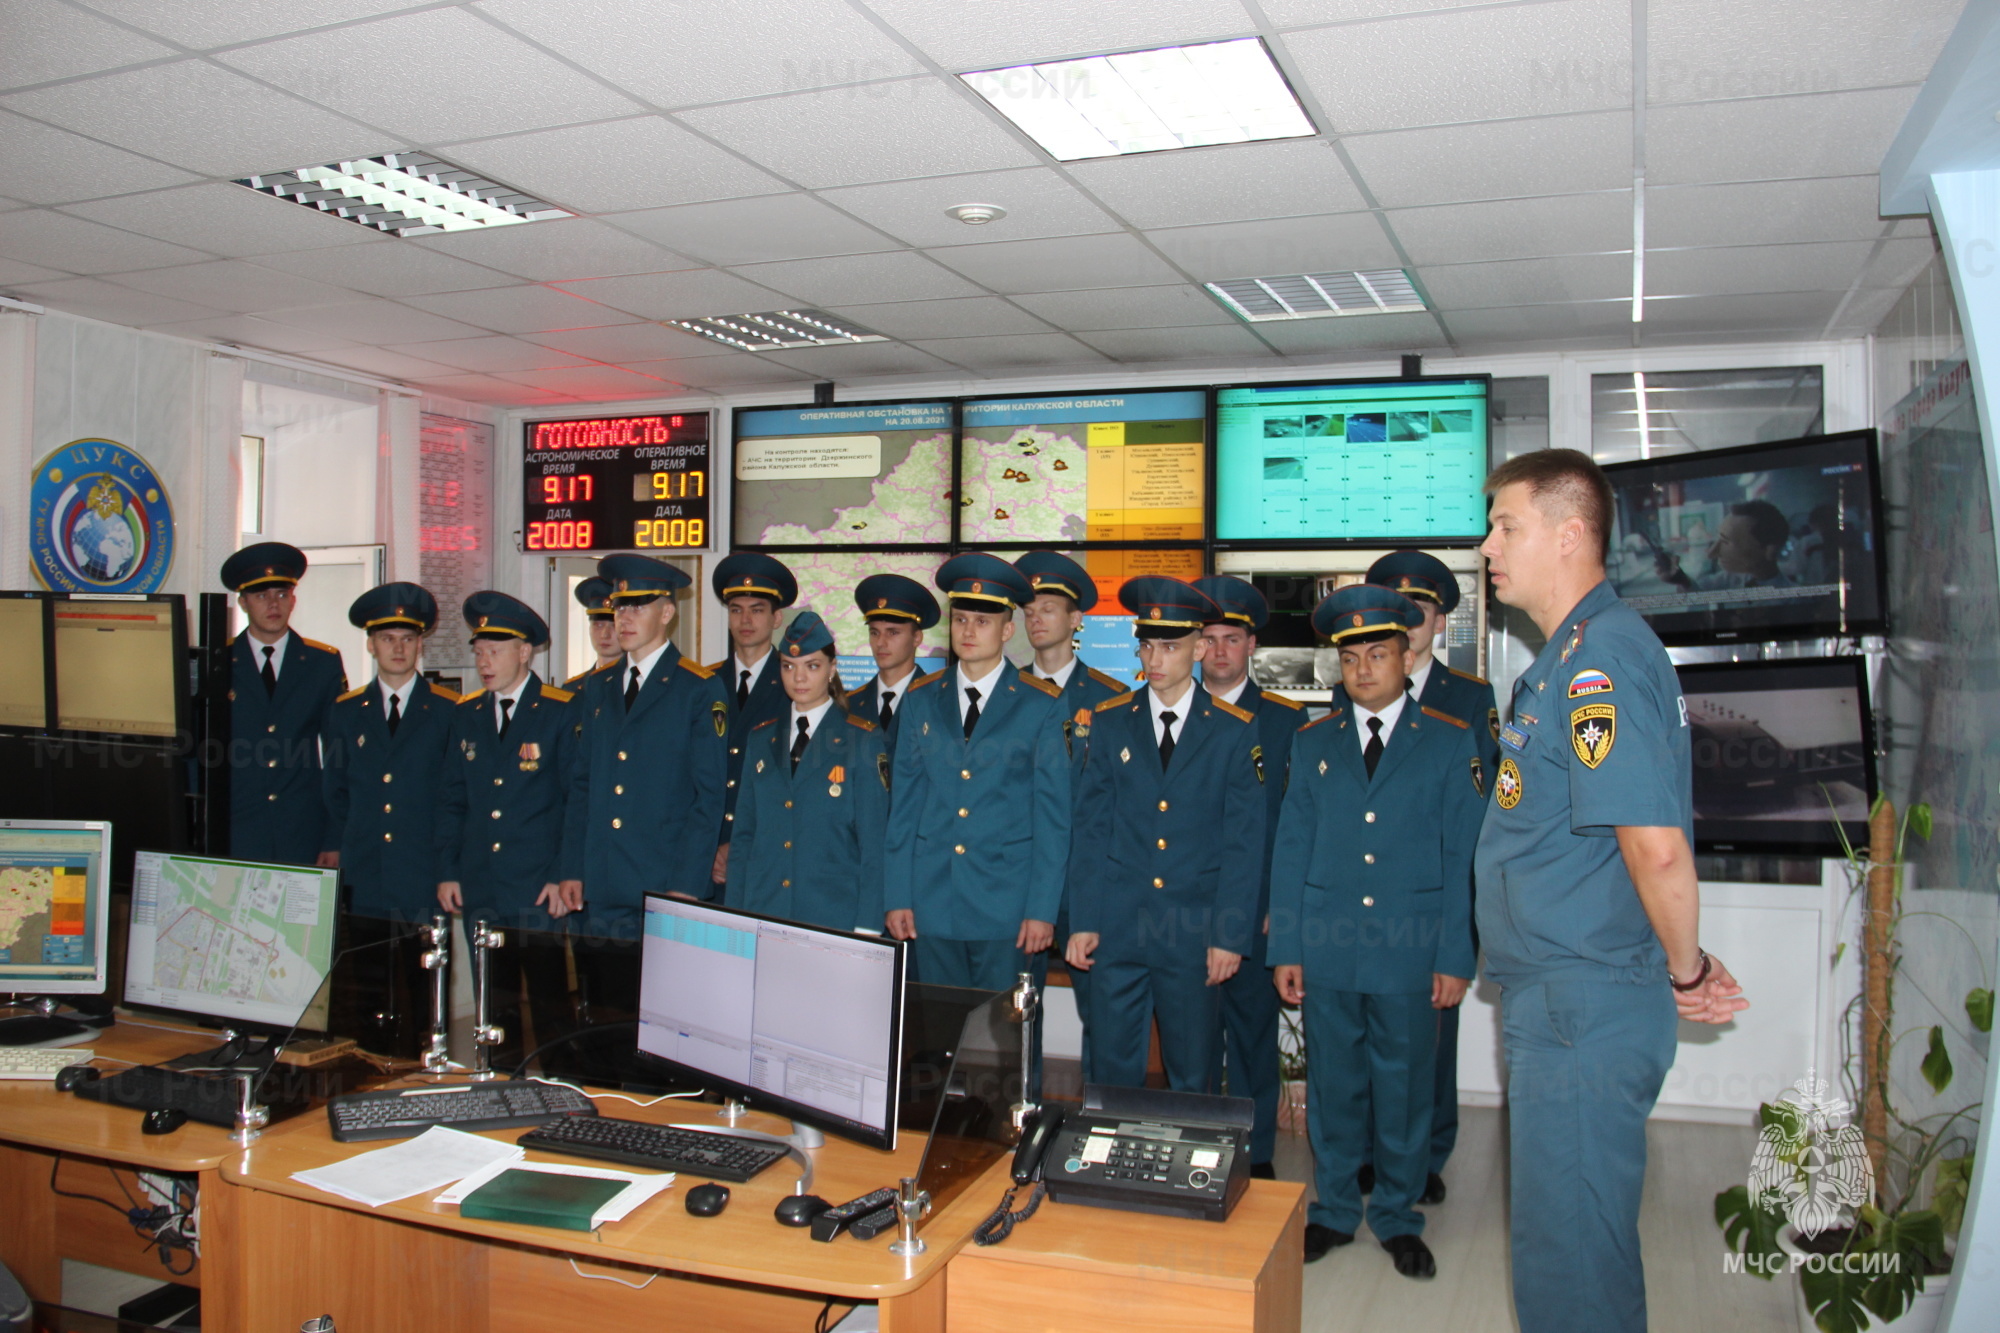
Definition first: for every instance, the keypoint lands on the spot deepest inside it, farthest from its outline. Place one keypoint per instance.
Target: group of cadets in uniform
(1192, 849)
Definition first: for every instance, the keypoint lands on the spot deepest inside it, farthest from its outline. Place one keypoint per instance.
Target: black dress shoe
(1413, 1257)
(1320, 1239)
(1433, 1189)
(1263, 1171)
(1364, 1179)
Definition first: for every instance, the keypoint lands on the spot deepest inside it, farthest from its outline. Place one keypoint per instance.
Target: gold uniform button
(1163, 844)
(1369, 857)
(1159, 883)
(735, 750)
(1367, 902)
(387, 809)
(1370, 816)
(785, 883)
(960, 849)
(388, 837)
(272, 763)
(788, 847)
(621, 756)
(272, 797)
(1163, 805)
(732, 782)
(272, 727)
(617, 823)
(496, 846)
(788, 805)
(388, 777)
(496, 814)
(618, 790)
(963, 812)
(965, 773)
(498, 781)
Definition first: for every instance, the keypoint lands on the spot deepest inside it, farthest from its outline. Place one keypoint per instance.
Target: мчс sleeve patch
(1592, 730)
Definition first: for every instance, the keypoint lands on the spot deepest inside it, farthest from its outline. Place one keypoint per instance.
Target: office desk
(297, 1252)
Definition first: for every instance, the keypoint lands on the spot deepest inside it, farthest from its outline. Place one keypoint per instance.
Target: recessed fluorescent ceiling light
(778, 329)
(405, 194)
(1385, 291)
(1146, 101)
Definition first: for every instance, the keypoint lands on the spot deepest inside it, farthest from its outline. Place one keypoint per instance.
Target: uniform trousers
(534, 961)
(1128, 993)
(1246, 1058)
(1366, 1051)
(1444, 1104)
(1585, 1062)
(977, 964)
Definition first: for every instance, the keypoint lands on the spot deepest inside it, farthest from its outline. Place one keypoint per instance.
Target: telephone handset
(1035, 1145)
(1037, 1142)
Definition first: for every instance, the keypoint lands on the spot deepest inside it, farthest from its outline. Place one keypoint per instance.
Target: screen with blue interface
(55, 902)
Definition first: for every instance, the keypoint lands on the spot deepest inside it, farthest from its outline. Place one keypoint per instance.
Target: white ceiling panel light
(776, 329)
(1385, 291)
(406, 194)
(1148, 101)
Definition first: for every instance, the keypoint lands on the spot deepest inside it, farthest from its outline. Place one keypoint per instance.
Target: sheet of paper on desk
(615, 1209)
(432, 1160)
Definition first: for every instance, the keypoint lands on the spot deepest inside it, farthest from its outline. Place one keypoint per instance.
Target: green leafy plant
(1291, 1043)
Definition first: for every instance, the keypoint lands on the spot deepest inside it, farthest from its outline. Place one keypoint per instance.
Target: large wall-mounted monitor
(827, 580)
(1769, 541)
(24, 649)
(1388, 462)
(55, 906)
(121, 666)
(801, 1020)
(611, 483)
(846, 474)
(1782, 750)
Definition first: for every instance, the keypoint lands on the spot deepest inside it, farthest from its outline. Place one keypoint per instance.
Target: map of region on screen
(844, 476)
(224, 938)
(826, 585)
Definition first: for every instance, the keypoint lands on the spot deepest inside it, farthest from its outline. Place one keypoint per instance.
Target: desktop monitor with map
(55, 905)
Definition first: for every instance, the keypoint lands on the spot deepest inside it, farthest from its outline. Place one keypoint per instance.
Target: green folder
(540, 1199)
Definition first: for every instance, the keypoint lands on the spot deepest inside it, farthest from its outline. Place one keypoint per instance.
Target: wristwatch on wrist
(1700, 975)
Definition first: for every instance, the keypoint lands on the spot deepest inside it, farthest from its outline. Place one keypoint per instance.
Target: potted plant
(1292, 1068)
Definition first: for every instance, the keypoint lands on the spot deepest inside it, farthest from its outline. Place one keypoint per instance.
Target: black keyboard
(208, 1098)
(659, 1147)
(359, 1116)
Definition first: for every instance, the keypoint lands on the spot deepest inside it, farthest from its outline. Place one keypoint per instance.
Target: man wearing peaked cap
(1169, 849)
(1371, 919)
(384, 751)
(1247, 1055)
(280, 689)
(594, 596)
(898, 611)
(1424, 579)
(753, 589)
(500, 819)
(979, 820)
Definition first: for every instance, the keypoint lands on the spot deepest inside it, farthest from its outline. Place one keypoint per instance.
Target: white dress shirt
(737, 666)
(985, 688)
(1179, 709)
(277, 651)
(1389, 715)
(402, 696)
(1234, 692)
(512, 696)
(1060, 679)
(887, 694)
(645, 665)
(1422, 677)
(812, 719)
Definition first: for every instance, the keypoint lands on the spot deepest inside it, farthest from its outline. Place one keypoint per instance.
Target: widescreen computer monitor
(800, 1020)
(240, 944)
(55, 906)
(24, 686)
(121, 666)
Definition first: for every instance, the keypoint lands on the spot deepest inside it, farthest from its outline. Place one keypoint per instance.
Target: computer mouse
(165, 1120)
(707, 1200)
(68, 1079)
(799, 1210)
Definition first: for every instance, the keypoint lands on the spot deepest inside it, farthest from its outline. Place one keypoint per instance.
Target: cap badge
(881, 602)
(977, 586)
(624, 585)
(795, 650)
(1405, 583)
(1357, 618)
(483, 620)
(399, 610)
(1155, 612)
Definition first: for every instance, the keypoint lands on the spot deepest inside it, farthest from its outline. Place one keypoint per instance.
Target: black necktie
(799, 743)
(743, 689)
(888, 710)
(1371, 753)
(506, 714)
(971, 710)
(395, 712)
(632, 690)
(270, 672)
(1167, 721)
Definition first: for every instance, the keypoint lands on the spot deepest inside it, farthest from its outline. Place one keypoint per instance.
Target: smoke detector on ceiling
(976, 215)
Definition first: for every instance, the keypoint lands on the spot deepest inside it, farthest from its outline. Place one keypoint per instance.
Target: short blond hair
(1562, 483)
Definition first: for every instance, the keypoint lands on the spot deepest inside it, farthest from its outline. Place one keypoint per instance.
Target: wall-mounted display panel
(848, 474)
(616, 483)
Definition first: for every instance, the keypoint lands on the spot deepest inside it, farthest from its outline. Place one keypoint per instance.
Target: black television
(1767, 541)
(1784, 754)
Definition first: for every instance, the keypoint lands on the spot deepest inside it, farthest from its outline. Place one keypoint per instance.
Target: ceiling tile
(1039, 202)
(606, 168)
(250, 331)
(435, 75)
(1899, 262)
(1767, 213)
(233, 285)
(737, 369)
(1229, 183)
(206, 119)
(379, 323)
(37, 236)
(47, 40)
(1505, 159)
(1699, 50)
(745, 231)
(1782, 313)
(1506, 327)
(395, 268)
(529, 309)
(685, 295)
(94, 298)
(1127, 308)
(1304, 337)
(632, 342)
(1772, 138)
(1234, 343)
(850, 136)
(488, 354)
(593, 382)
(866, 359)
(13, 271)
(853, 279)
(390, 365)
(557, 249)
(1719, 271)
(1284, 245)
(1307, 13)
(1058, 264)
(1453, 287)
(204, 26)
(986, 36)
(964, 317)
(1870, 306)
(226, 219)
(698, 54)
(47, 166)
(486, 389)
(1577, 224)
(1479, 64)
(1916, 227)
(1005, 351)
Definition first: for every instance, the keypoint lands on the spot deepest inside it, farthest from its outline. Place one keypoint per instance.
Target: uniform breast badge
(882, 769)
(1507, 787)
(760, 765)
(1592, 729)
(471, 751)
(835, 776)
(531, 757)
(360, 741)
(720, 710)
(1125, 756)
(1257, 759)
(1478, 776)
(1322, 768)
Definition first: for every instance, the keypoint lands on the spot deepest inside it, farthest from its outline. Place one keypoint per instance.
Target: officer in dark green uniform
(898, 611)
(280, 689)
(385, 747)
(1248, 1050)
(815, 803)
(1589, 907)
(500, 821)
(1371, 919)
(1168, 857)
(753, 589)
(594, 595)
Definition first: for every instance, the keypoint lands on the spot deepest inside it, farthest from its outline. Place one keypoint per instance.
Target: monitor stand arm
(437, 961)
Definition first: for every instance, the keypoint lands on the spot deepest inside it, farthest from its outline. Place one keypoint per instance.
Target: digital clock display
(616, 483)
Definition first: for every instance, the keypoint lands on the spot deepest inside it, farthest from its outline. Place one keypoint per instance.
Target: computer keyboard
(658, 1147)
(399, 1114)
(209, 1098)
(42, 1062)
